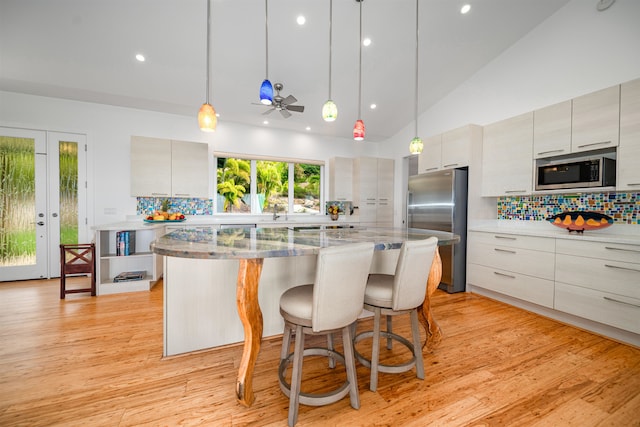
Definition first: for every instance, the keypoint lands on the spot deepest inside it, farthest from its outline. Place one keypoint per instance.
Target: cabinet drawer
(527, 288)
(608, 251)
(524, 261)
(614, 310)
(513, 240)
(604, 275)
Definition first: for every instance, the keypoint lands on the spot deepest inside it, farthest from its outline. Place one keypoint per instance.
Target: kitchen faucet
(275, 212)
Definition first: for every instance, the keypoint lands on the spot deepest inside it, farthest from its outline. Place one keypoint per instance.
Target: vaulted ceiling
(85, 50)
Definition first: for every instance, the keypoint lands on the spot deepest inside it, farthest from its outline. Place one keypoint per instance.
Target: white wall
(109, 130)
(576, 51)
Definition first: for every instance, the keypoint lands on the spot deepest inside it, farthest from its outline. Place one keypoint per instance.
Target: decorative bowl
(579, 221)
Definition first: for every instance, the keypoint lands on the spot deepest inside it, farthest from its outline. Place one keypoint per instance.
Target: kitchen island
(201, 267)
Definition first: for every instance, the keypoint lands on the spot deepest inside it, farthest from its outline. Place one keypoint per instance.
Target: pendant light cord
(360, 67)
(416, 97)
(208, 47)
(266, 39)
(330, 42)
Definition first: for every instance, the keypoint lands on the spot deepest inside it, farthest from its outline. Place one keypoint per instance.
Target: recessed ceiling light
(366, 41)
(140, 57)
(373, 106)
(266, 122)
(301, 20)
(466, 8)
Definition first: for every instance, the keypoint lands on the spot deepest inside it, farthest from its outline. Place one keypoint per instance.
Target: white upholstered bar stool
(331, 304)
(393, 295)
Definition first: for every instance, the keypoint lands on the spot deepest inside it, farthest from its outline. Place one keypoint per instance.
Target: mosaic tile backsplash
(187, 206)
(624, 208)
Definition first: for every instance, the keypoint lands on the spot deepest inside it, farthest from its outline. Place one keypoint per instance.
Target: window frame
(253, 186)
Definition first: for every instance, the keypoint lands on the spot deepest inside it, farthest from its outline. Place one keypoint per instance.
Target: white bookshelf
(109, 264)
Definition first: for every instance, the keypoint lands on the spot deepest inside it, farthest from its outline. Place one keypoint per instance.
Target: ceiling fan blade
(289, 100)
(286, 114)
(268, 111)
(296, 108)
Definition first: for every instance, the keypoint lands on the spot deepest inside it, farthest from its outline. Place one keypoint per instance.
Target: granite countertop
(616, 233)
(268, 242)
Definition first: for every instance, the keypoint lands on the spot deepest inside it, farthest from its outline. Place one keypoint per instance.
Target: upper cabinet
(596, 120)
(166, 168)
(456, 146)
(150, 167)
(449, 150)
(189, 169)
(430, 159)
(552, 130)
(507, 165)
(341, 178)
(629, 150)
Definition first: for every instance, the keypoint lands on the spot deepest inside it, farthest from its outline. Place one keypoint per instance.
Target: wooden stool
(76, 259)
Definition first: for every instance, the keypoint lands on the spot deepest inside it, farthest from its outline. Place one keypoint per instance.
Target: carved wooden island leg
(251, 317)
(434, 334)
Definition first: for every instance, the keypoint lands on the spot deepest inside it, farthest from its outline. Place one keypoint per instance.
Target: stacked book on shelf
(129, 276)
(125, 243)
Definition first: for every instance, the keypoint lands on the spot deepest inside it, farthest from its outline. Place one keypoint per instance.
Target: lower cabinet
(501, 263)
(600, 282)
(594, 285)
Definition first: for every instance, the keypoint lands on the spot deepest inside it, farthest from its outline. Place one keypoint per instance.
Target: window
(256, 186)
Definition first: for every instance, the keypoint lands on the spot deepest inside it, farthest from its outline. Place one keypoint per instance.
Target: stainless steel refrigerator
(438, 201)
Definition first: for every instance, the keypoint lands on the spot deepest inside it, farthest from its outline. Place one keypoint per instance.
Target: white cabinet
(600, 282)
(596, 120)
(341, 178)
(517, 266)
(373, 190)
(384, 213)
(109, 264)
(150, 167)
(166, 168)
(628, 162)
(456, 146)
(552, 130)
(189, 169)
(449, 150)
(430, 159)
(507, 161)
(594, 285)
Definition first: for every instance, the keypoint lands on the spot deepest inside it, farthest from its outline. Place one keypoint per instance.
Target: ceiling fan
(284, 104)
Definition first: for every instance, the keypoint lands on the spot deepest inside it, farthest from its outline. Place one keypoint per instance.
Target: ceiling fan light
(329, 111)
(207, 118)
(416, 145)
(266, 92)
(358, 130)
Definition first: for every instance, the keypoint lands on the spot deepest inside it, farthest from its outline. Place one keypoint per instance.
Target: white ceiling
(84, 50)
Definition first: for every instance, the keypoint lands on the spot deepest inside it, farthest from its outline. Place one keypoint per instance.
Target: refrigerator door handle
(406, 214)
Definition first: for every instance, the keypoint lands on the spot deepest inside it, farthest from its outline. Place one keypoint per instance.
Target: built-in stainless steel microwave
(577, 173)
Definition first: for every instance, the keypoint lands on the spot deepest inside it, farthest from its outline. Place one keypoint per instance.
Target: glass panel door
(23, 203)
(42, 200)
(67, 194)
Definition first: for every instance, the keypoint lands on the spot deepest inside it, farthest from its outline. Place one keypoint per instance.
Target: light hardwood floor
(97, 361)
